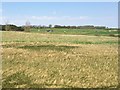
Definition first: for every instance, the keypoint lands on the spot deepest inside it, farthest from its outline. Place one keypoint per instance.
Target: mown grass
(35, 60)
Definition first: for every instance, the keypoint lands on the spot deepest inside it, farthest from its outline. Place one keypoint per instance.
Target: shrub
(11, 28)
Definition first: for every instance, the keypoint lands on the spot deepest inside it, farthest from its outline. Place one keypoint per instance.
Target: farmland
(59, 59)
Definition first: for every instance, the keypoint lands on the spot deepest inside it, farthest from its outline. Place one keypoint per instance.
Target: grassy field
(96, 32)
(44, 60)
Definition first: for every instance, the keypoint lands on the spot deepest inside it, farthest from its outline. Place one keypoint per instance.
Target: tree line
(27, 27)
(73, 27)
(81, 27)
(11, 28)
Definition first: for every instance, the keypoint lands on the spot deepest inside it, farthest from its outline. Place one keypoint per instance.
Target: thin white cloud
(2, 19)
(59, 18)
(78, 18)
(44, 17)
(63, 20)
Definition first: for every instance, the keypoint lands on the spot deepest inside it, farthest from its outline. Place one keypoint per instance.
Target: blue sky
(62, 13)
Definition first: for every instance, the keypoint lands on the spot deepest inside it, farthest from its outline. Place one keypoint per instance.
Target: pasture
(59, 60)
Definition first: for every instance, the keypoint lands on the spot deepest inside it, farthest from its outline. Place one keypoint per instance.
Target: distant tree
(56, 26)
(7, 28)
(15, 28)
(2, 27)
(100, 27)
(50, 26)
(12, 28)
(27, 26)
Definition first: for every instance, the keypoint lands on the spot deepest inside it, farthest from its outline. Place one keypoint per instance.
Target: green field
(96, 32)
(60, 59)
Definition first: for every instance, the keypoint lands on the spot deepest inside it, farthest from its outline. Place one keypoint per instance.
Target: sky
(60, 0)
(61, 13)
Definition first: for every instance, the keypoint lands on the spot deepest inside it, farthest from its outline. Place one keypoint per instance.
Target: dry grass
(32, 60)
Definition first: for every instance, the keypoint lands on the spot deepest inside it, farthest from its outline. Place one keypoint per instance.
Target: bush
(11, 28)
(2, 27)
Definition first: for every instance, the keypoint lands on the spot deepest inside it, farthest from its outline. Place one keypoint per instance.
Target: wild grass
(35, 60)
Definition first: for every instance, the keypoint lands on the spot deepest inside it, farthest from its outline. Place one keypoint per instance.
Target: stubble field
(35, 60)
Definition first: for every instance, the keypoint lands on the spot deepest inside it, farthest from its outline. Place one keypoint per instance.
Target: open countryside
(59, 56)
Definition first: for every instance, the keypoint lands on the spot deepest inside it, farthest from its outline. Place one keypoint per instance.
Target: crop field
(59, 60)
